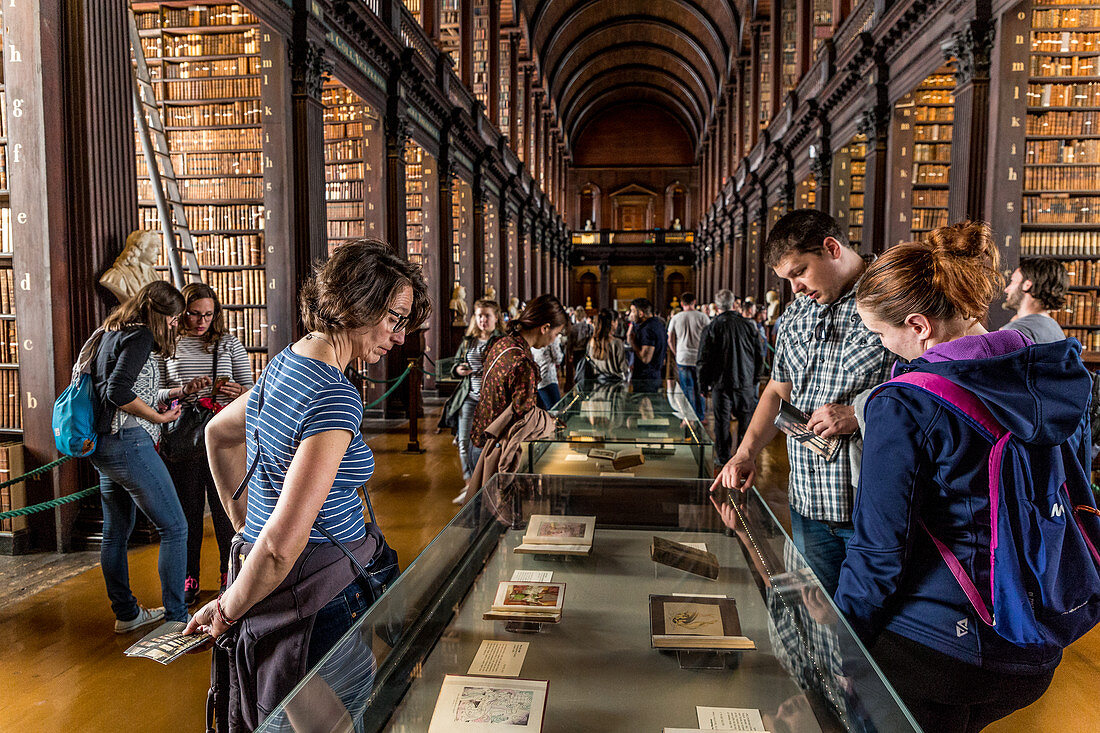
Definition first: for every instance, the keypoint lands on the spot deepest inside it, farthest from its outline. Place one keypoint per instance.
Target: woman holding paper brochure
(301, 520)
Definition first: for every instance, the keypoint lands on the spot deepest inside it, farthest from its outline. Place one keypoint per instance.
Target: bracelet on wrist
(222, 614)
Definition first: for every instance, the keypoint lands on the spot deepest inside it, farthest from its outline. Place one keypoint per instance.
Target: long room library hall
(460, 365)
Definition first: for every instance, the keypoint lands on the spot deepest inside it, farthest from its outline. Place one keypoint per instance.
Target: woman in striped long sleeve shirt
(202, 327)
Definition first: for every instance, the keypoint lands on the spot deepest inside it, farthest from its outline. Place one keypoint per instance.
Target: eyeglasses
(200, 316)
(402, 321)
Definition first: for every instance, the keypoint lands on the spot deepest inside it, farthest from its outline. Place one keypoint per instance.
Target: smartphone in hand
(219, 382)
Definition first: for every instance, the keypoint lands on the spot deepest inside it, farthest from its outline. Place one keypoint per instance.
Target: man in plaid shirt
(825, 356)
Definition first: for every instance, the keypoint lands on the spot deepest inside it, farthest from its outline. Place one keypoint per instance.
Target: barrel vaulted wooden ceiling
(595, 55)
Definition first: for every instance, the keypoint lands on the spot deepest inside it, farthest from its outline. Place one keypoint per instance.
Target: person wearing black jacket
(730, 362)
(126, 385)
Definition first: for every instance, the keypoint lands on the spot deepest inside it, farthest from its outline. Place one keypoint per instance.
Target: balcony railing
(620, 237)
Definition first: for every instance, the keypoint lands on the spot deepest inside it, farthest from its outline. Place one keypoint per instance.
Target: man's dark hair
(1049, 280)
(802, 230)
(644, 305)
(687, 298)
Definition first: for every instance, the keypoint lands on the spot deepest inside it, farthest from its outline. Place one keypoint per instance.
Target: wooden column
(42, 227)
(430, 17)
(494, 63)
(504, 216)
(280, 264)
(875, 125)
(754, 87)
(605, 285)
(523, 256)
(466, 43)
(969, 143)
(307, 67)
(448, 278)
(659, 304)
(477, 241)
(513, 91)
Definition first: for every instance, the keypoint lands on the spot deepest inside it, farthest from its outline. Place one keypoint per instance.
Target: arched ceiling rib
(596, 53)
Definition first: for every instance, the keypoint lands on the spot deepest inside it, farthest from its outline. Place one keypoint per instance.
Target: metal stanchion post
(413, 406)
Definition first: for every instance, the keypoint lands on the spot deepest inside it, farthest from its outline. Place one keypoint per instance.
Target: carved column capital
(308, 67)
(873, 123)
(970, 50)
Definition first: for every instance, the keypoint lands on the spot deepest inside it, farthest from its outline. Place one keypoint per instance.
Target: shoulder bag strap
(964, 402)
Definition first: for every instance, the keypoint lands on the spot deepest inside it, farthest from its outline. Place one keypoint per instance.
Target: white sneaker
(145, 617)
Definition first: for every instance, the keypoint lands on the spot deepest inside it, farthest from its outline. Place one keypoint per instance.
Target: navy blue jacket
(920, 460)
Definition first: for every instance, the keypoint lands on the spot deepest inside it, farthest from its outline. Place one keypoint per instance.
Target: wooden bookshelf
(459, 238)
(11, 413)
(806, 193)
(491, 249)
(205, 62)
(932, 125)
(480, 78)
(449, 30)
(505, 108)
(849, 171)
(822, 24)
(414, 202)
(345, 197)
(1061, 181)
(788, 47)
(764, 79)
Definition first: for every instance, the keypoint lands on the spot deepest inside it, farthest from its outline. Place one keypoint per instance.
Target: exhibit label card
(499, 658)
(576, 457)
(533, 576)
(743, 719)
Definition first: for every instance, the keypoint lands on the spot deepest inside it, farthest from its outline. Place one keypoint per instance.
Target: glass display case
(598, 667)
(605, 427)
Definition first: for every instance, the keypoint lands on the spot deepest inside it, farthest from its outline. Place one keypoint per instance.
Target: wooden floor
(64, 670)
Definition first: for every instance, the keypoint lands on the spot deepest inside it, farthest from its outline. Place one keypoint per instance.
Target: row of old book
(1061, 209)
(1062, 178)
(1064, 95)
(14, 496)
(238, 287)
(7, 291)
(207, 69)
(1083, 272)
(1041, 152)
(1064, 42)
(214, 114)
(1065, 18)
(194, 16)
(236, 163)
(183, 89)
(1082, 309)
(342, 150)
(209, 189)
(1084, 244)
(11, 411)
(1063, 122)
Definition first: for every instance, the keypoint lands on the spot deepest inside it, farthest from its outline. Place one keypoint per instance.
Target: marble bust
(133, 268)
(458, 306)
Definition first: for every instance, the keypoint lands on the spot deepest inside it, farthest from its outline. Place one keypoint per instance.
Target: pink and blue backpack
(1044, 575)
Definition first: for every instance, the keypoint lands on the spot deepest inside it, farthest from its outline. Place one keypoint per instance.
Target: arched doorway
(676, 285)
(589, 291)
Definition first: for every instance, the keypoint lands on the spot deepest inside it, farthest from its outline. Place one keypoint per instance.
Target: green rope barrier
(37, 471)
(391, 389)
(49, 504)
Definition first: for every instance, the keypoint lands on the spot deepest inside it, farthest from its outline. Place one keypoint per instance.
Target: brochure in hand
(795, 423)
(166, 643)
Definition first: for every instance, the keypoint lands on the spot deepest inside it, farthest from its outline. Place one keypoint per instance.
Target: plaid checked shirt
(828, 356)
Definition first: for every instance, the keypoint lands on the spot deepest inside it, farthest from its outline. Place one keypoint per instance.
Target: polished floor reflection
(64, 668)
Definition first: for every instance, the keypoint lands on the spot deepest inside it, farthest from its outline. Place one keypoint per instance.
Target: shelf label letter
(14, 57)
(25, 283)
(32, 403)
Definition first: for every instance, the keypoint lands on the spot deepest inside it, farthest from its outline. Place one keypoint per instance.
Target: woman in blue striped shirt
(299, 431)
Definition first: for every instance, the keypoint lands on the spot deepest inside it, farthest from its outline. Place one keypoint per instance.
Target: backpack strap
(963, 402)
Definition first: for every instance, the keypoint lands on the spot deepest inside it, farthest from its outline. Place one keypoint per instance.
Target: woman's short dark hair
(1049, 281)
(357, 285)
(543, 310)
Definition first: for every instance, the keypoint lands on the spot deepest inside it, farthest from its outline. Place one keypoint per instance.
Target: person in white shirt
(683, 340)
(548, 358)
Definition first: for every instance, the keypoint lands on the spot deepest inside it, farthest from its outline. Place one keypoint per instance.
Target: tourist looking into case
(298, 431)
(205, 349)
(824, 358)
(926, 473)
(606, 353)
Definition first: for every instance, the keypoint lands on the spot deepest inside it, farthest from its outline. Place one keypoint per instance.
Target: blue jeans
(824, 546)
(688, 377)
(350, 671)
(468, 453)
(131, 474)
